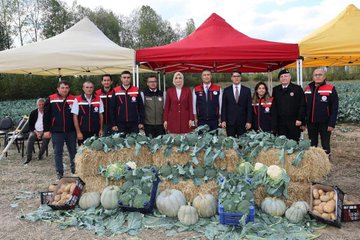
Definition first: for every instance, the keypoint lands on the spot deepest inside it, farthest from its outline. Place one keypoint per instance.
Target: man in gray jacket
(153, 99)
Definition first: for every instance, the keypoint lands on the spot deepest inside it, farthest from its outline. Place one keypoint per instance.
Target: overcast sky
(275, 20)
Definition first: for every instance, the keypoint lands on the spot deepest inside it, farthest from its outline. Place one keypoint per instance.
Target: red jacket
(177, 113)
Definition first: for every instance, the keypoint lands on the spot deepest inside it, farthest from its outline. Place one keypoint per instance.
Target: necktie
(206, 92)
(236, 94)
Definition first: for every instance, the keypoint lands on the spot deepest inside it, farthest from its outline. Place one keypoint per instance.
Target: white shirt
(75, 106)
(39, 122)
(234, 89)
(178, 92)
(194, 98)
(285, 86)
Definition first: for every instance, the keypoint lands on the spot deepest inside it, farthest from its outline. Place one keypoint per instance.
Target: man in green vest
(153, 99)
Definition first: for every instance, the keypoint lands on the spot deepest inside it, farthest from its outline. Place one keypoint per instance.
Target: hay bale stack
(314, 166)
(297, 191)
(188, 188)
(159, 159)
(98, 183)
(87, 161)
(229, 163)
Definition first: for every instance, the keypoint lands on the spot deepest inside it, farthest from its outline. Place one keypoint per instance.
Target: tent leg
(159, 80)
(300, 72)
(137, 76)
(297, 71)
(134, 75)
(164, 81)
(270, 83)
(59, 73)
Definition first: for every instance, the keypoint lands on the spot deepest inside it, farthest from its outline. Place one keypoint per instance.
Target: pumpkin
(90, 199)
(109, 197)
(205, 205)
(273, 206)
(169, 202)
(297, 211)
(302, 205)
(188, 215)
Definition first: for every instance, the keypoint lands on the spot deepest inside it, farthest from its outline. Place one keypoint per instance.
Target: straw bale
(88, 161)
(297, 191)
(188, 188)
(314, 166)
(159, 159)
(98, 183)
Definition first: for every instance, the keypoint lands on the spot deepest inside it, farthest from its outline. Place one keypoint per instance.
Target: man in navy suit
(236, 115)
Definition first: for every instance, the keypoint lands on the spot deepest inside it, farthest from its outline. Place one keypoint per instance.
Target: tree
(5, 28)
(20, 19)
(56, 18)
(108, 23)
(190, 27)
(34, 22)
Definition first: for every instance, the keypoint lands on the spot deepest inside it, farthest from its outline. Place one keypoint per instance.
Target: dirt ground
(20, 186)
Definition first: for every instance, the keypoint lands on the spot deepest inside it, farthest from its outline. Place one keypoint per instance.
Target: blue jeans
(58, 140)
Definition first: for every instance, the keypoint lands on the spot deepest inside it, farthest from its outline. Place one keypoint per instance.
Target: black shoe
(59, 175)
(27, 160)
(40, 157)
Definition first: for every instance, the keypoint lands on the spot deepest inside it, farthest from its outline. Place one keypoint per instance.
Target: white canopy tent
(81, 50)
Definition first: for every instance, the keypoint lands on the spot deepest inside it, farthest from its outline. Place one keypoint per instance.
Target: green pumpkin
(188, 215)
(89, 199)
(110, 197)
(273, 206)
(297, 211)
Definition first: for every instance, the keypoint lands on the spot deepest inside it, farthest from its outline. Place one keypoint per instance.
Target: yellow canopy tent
(336, 43)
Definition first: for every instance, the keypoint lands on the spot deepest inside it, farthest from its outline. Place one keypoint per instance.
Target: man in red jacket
(127, 108)
(105, 94)
(322, 108)
(59, 126)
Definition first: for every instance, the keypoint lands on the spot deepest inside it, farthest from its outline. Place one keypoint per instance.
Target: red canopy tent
(216, 45)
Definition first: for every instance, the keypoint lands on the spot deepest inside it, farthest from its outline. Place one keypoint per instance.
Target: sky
(273, 20)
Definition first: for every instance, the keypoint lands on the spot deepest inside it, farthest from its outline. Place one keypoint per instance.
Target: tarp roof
(337, 43)
(218, 46)
(81, 50)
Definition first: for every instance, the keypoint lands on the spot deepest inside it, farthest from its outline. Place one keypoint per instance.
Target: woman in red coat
(178, 112)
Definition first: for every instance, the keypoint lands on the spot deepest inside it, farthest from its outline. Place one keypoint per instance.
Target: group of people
(67, 119)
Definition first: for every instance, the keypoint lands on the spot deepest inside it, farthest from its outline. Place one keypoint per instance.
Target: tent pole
(59, 73)
(137, 75)
(159, 80)
(301, 75)
(164, 81)
(297, 72)
(133, 74)
(270, 82)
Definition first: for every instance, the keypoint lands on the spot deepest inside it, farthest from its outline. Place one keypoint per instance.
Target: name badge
(148, 98)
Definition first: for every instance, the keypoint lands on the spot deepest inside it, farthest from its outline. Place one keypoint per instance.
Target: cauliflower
(131, 165)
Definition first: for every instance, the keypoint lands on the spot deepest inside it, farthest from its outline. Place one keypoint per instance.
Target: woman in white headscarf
(178, 112)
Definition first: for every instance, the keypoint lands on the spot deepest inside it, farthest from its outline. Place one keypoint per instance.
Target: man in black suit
(37, 131)
(288, 107)
(236, 113)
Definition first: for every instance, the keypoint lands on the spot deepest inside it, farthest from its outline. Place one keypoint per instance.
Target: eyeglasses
(318, 75)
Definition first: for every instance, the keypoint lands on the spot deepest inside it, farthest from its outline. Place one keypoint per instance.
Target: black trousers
(289, 129)
(128, 127)
(86, 135)
(314, 129)
(235, 130)
(154, 130)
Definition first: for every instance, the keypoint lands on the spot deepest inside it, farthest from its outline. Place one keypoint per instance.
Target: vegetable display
(324, 203)
(63, 193)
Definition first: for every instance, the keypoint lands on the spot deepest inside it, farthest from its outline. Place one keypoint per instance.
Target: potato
(67, 188)
(318, 209)
(332, 216)
(57, 198)
(332, 194)
(325, 215)
(316, 194)
(321, 192)
(329, 207)
(68, 196)
(61, 189)
(324, 198)
(52, 188)
(316, 202)
(72, 187)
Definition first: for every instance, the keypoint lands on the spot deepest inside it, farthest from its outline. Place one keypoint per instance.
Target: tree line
(26, 21)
